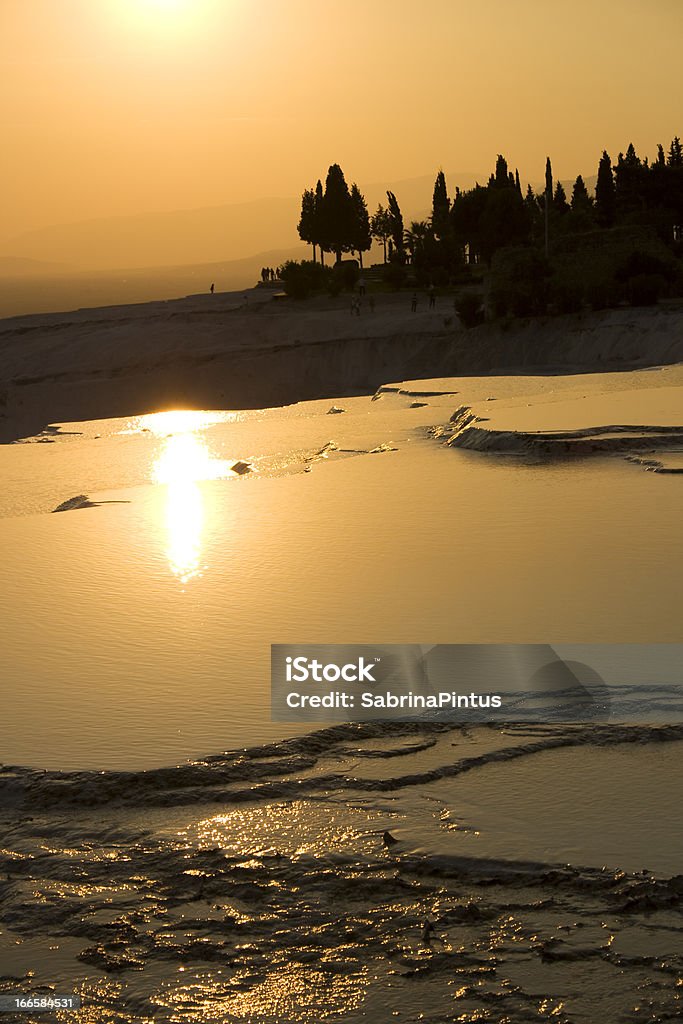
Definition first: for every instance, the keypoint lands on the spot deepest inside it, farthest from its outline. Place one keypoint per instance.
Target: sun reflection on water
(176, 421)
(182, 463)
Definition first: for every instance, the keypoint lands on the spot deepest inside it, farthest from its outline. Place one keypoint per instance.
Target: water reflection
(184, 460)
(184, 527)
(176, 421)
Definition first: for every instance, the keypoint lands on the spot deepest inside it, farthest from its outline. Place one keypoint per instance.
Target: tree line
(473, 226)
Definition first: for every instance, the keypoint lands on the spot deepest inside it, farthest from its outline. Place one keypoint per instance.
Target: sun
(166, 8)
(162, 11)
(168, 20)
(166, 5)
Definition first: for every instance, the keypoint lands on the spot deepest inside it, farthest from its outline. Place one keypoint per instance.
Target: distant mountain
(207, 235)
(52, 292)
(21, 266)
(157, 239)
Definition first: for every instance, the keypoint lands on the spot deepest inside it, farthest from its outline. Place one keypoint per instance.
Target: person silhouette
(212, 288)
(413, 303)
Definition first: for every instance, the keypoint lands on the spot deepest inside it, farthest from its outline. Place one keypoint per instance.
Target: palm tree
(415, 237)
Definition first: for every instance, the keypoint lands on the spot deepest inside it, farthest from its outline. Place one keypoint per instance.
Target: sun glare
(163, 15)
(186, 459)
(165, 6)
(183, 462)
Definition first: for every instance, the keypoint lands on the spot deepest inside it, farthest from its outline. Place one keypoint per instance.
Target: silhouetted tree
(319, 218)
(501, 178)
(362, 235)
(415, 237)
(441, 205)
(533, 206)
(307, 222)
(675, 158)
(486, 219)
(630, 183)
(580, 198)
(605, 197)
(396, 227)
(548, 179)
(381, 227)
(338, 220)
(560, 204)
(581, 216)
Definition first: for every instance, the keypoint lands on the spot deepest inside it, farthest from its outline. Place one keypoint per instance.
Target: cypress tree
(605, 195)
(319, 219)
(580, 198)
(440, 206)
(501, 177)
(675, 158)
(560, 204)
(548, 179)
(338, 213)
(396, 219)
(630, 182)
(548, 198)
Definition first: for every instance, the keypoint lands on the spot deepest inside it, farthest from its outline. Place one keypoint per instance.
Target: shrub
(300, 280)
(345, 275)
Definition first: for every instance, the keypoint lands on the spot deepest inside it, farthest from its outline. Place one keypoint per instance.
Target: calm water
(137, 633)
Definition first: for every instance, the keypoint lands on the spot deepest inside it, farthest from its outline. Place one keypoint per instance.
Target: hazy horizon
(123, 108)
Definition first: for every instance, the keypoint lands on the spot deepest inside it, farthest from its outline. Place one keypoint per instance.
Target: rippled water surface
(363, 873)
(137, 632)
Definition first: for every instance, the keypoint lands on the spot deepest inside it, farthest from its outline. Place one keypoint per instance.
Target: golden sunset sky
(113, 107)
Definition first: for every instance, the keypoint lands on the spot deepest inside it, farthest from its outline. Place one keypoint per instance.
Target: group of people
(268, 274)
(357, 300)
